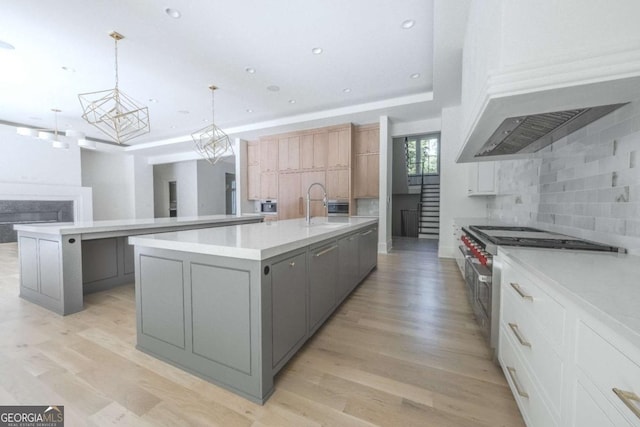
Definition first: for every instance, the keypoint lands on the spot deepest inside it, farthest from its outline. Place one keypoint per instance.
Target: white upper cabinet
(531, 57)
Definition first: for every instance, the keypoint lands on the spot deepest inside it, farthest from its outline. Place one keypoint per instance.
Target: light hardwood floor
(403, 350)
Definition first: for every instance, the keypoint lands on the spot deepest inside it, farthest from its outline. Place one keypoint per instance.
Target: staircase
(429, 220)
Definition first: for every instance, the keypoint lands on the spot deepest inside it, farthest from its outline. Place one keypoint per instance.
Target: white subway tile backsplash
(587, 184)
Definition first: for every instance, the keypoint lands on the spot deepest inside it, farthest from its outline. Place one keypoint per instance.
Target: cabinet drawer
(609, 369)
(545, 310)
(535, 349)
(533, 409)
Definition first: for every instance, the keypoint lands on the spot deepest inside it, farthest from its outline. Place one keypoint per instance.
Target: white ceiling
(366, 49)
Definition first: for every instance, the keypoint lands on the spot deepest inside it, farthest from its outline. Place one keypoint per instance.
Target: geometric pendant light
(113, 112)
(211, 142)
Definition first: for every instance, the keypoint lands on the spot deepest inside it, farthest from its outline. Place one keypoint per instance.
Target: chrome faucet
(309, 200)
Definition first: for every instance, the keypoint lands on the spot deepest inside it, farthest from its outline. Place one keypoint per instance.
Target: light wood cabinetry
(366, 177)
(289, 153)
(269, 154)
(338, 184)
(269, 185)
(320, 150)
(339, 147)
(253, 170)
(306, 151)
(290, 204)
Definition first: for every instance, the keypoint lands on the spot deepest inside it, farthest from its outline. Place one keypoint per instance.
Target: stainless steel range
(479, 245)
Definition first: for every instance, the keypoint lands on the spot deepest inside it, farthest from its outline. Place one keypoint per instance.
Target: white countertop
(82, 227)
(605, 284)
(254, 241)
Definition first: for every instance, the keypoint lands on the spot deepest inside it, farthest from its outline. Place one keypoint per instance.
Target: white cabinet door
(482, 179)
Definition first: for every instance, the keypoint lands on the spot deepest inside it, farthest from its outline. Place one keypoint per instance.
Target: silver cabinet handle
(292, 264)
(326, 251)
(520, 291)
(367, 232)
(514, 379)
(518, 334)
(628, 398)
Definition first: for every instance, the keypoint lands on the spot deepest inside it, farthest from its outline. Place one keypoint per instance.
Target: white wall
(211, 186)
(25, 159)
(143, 187)
(112, 179)
(186, 176)
(386, 163)
(454, 202)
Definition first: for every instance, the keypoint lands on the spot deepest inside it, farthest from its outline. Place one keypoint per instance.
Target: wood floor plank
(403, 349)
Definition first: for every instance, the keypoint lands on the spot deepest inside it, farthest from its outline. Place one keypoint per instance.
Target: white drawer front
(535, 349)
(534, 411)
(608, 368)
(592, 409)
(548, 312)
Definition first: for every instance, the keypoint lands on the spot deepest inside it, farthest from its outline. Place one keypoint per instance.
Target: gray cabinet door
(289, 305)
(367, 250)
(323, 278)
(348, 271)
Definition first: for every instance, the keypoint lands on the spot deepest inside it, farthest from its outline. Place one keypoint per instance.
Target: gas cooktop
(533, 237)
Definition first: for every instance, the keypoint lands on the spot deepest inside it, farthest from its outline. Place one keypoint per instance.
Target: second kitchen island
(233, 305)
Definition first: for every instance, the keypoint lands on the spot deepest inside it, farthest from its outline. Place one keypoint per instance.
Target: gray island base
(233, 305)
(60, 262)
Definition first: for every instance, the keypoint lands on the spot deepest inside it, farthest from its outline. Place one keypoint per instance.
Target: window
(422, 152)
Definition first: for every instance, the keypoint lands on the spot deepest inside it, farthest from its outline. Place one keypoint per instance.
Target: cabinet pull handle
(292, 264)
(520, 291)
(368, 232)
(518, 334)
(514, 379)
(628, 397)
(325, 251)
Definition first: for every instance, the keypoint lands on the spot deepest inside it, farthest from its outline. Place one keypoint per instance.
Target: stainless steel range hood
(531, 133)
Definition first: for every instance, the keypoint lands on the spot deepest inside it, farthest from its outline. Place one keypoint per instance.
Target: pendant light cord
(116, 41)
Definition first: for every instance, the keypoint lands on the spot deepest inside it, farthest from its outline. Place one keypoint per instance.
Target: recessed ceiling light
(292, 101)
(316, 50)
(249, 110)
(409, 23)
(205, 120)
(155, 101)
(415, 76)
(69, 69)
(250, 70)
(346, 90)
(5, 45)
(174, 13)
(273, 88)
(173, 126)
(183, 111)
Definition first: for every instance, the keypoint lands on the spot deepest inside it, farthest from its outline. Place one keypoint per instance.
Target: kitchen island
(234, 304)
(59, 262)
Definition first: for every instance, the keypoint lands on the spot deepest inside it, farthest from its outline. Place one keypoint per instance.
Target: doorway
(173, 199)
(230, 193)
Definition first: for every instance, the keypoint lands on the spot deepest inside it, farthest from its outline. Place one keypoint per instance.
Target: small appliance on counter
(479, 244)
(269, 207)
(338, 208)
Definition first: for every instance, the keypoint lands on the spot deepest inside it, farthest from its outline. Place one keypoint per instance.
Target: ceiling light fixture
(250, 70)
(113, 112)
(292, 101)
(155, 101)
(69, 69)
(249, 110)
(211, 142)
(346, 90)
(7, 46)
(273, 88)
(173, 13)
(409, 23)
(317, 50)
(53, 135)
(415, 76)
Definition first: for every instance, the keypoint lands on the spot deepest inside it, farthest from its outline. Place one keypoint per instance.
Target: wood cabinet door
(253, 182)
(338, 184)
(253, 153)
(269, 155)
(289, 153)
(306, 152)
(269, 185)
(308, 178)
(289, 196)
(320, 150)
(367, 141)
(339, 148)
(367, 176)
